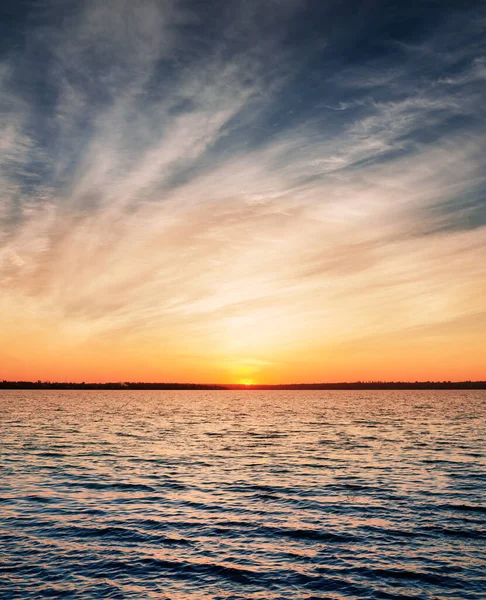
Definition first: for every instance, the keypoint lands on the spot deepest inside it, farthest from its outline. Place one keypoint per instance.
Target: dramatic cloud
(279, 188)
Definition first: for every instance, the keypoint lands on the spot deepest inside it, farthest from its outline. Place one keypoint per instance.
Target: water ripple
(224, 495)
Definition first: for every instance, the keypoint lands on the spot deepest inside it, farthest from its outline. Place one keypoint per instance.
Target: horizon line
(147, 385)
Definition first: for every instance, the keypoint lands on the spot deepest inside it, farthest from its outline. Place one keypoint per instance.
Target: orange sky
(48, 350)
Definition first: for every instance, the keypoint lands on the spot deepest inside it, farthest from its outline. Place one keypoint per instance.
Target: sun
(246, 382)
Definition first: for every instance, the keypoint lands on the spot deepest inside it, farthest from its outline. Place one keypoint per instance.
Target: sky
(242, 190)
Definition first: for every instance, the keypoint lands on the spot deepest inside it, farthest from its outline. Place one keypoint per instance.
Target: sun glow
(246, 382)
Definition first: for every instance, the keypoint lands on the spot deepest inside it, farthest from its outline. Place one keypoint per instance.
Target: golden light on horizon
(246, 382)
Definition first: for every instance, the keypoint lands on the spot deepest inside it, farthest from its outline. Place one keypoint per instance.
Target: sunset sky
(242, 190)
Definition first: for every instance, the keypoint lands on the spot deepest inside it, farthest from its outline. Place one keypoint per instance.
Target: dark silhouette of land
(356, 385)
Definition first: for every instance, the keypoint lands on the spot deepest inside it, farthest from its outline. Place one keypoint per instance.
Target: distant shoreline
(358, 385)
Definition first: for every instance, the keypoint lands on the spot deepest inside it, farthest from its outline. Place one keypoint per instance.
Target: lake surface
(226, 495)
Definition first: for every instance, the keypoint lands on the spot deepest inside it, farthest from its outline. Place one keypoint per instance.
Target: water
(226, 495)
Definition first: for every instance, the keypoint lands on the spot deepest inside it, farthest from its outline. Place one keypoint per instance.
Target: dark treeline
(371, 385)
(357, 385)
(129, 385)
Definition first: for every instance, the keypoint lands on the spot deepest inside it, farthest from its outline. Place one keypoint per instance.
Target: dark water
(242, 495)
